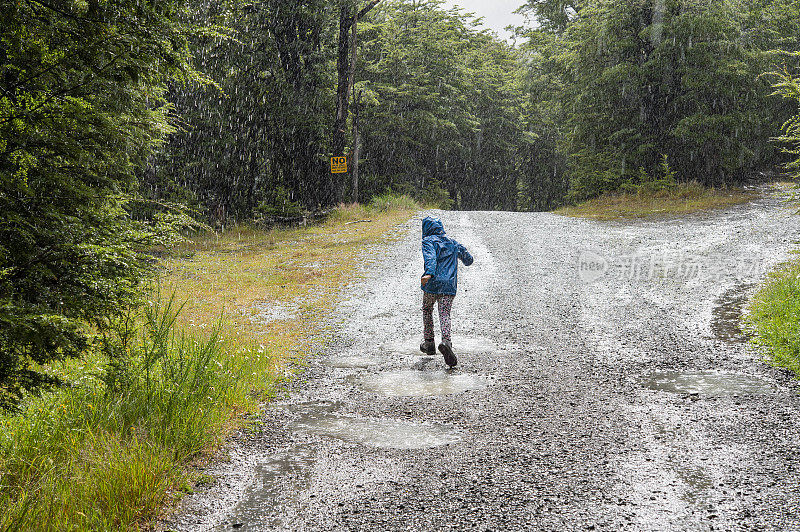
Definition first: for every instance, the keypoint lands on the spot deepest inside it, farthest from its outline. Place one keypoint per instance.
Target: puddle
(260, 507)
(385, 433)
(411, 383)
(727, 315)
(461, 345)
(707, 383)
(697, 484)
(351, 361)
(373, 432)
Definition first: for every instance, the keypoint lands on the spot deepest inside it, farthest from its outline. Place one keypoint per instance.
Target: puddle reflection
(707, 383)
(373, 432)
(727, 315)
(411, 383)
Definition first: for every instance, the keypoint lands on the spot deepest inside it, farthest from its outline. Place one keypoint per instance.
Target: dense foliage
(443, 106)
(255, 144)
(788, 86)
(441, 112)
(638, 81)
(82, 107)
(599, 95)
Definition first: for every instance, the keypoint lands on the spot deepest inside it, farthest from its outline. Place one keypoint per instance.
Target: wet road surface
(603, 384)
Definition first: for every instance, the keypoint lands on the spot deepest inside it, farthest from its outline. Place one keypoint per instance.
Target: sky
(497, 14)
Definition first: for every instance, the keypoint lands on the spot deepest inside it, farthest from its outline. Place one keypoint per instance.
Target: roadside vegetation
(645, 197)
(774, 311)
(684, 198)
(774, 316)
(231, 315)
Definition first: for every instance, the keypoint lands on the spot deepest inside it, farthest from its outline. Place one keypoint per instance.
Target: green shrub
(775, 316)
(659, 185)
(389, 202)
(75, 128)
(104, 452)
(278, 204)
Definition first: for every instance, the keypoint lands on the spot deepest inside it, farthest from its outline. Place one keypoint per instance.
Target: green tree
(638, 80)
(552, 16)
(788, 86)
(543, 163)
(442, 105)
(257, 143)
(81, 108)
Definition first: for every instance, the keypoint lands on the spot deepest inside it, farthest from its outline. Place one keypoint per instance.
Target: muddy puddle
(707, 383)
(263, 504)
(323, 419)
(461, 345)
(415, 383)
(727, 315)
(696, 484)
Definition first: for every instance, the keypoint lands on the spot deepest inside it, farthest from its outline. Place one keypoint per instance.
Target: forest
(594, 96)
(124, 123)
(128, 125)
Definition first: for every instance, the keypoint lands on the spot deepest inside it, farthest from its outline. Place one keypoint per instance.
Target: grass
(116, 446)
(774, 316)
(108, 451)
(682, 199)
(273, 285)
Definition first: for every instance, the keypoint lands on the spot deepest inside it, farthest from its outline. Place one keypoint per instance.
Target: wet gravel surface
(603, 384)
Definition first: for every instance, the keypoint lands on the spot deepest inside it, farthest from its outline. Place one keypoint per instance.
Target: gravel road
(603, 383)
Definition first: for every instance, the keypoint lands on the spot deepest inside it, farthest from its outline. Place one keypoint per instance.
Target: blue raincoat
(441, 254)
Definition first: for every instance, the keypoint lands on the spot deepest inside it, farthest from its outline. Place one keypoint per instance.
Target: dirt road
(603, 384)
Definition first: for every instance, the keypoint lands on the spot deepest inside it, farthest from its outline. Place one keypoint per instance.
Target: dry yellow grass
(684, 199)
(271, 286)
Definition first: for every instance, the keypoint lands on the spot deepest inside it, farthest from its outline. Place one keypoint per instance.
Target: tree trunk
(345, 70)
(356, 145)
(342, 91)
(355, 109)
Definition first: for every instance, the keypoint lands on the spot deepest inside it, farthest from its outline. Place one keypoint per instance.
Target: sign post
(339, 165)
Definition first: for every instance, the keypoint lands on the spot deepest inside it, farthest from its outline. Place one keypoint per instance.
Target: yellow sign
(338, 165)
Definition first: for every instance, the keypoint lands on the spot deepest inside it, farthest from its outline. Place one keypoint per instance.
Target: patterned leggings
(445, 305)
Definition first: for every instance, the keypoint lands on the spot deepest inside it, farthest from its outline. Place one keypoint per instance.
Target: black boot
(428, 347)
(446, 349)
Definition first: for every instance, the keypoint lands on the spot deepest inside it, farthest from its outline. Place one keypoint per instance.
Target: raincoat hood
(441, 255)
(432, 226)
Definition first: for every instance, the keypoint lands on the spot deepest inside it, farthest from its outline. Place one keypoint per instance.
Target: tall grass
(774, 316)
(106, 452)
(389, 202)
(114, 447)
(377, 205)
(644, 202)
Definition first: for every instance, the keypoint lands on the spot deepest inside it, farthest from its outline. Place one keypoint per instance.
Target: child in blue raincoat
(439, 283)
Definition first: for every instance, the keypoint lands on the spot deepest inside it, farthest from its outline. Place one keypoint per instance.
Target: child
(439, 281)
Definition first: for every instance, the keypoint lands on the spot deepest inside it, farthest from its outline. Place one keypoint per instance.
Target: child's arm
(464, 255)
(429, 256)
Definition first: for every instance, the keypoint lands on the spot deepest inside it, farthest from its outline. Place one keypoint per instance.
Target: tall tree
(256, 144)
(81, 107)
(788, 86)
(442, 106)
(643, 80)
(349, 13)
(552, 16)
